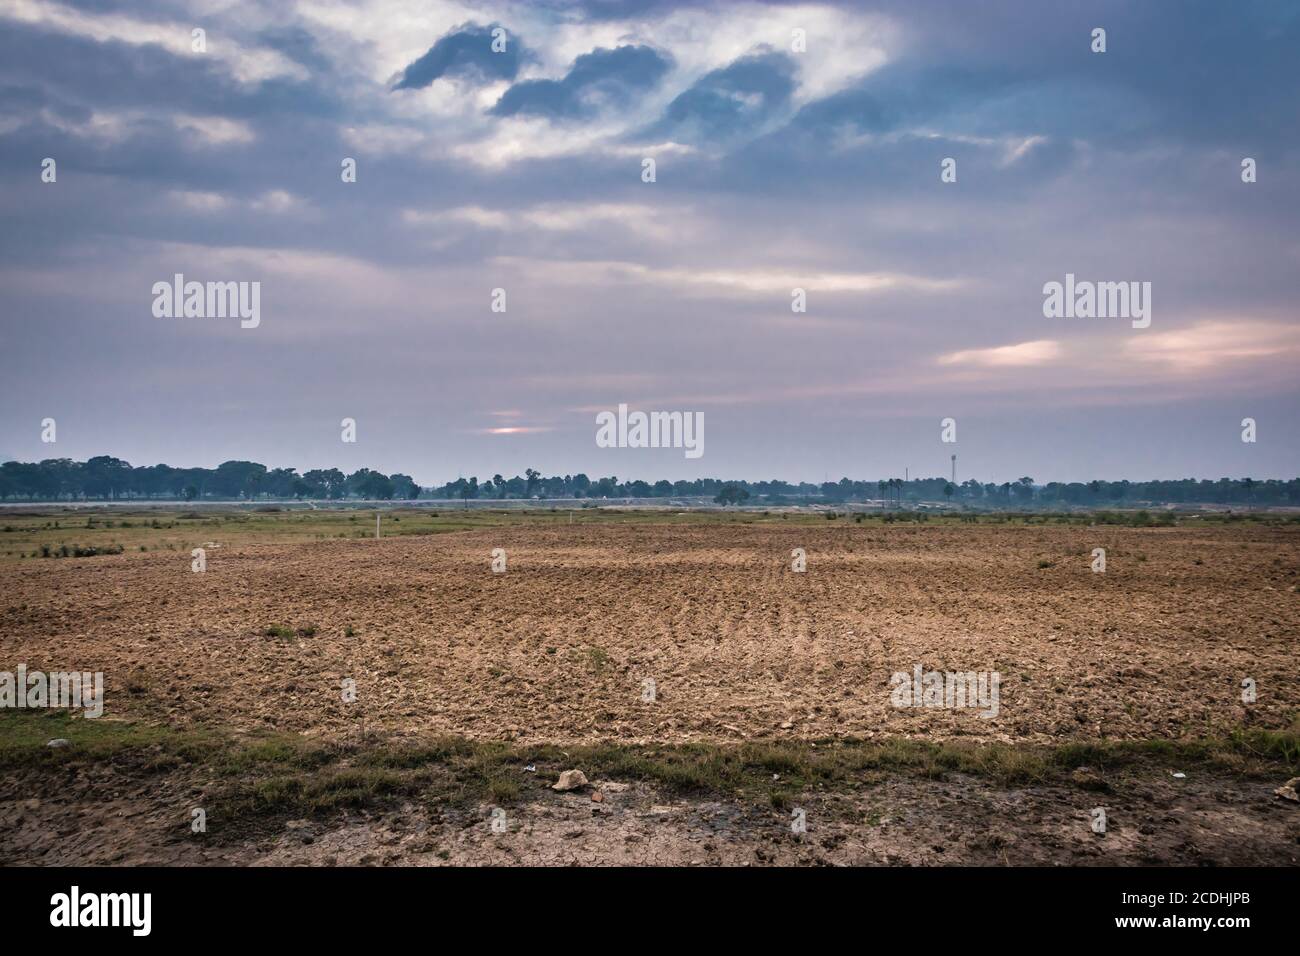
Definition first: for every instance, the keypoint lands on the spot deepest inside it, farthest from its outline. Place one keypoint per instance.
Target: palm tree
(896, 485)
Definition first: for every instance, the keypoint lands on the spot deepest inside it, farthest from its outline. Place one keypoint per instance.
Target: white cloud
(1212, 343)
(100, 125)
(748, 281)
(382, 139)
(656, 222)
(1038, 352)
(213, 130)
(276, 201)
(198, 201)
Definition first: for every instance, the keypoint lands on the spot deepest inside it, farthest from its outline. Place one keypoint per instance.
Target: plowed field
(561, 645)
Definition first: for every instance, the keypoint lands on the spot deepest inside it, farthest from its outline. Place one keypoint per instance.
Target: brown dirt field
(738, 645)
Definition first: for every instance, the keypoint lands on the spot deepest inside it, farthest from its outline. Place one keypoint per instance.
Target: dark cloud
(736, 99)
(854, 110)
(597, 79)
(464, 52)
(114, 75)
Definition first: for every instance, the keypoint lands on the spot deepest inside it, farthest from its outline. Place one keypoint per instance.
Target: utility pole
(954, 470)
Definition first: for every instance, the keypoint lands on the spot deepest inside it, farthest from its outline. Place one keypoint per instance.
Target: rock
(1288, 790)
(787, 725)
(597, 796)
(59, 742)
(570, 780)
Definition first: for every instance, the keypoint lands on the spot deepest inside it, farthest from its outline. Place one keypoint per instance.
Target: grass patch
(261, 778)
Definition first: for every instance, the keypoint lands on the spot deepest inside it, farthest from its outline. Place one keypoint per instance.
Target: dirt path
(108, 817)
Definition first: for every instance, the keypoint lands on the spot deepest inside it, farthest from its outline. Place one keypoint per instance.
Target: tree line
(107, 478)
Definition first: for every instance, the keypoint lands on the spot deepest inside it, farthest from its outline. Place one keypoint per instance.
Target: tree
(731, 494)
(376, 485)
(234, 479)
(532, 474)
(106, 476)
(468, 489)
(948, 489)
(404, 487)
(365, 483)
(328, 483)
(191, 492)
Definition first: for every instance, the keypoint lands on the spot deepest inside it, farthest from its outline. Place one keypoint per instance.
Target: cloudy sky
(776, 168)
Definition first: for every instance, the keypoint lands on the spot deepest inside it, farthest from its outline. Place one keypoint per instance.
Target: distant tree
(235, 479)
(190, 492)
(106, 476)
(532, 474)
(365, 483)
(948, 489)
(328, 483)
(467, 489)
(731, 494)
(404, 487)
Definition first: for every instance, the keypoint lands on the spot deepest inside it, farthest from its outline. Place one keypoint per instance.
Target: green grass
(255, 777)
(59, 531)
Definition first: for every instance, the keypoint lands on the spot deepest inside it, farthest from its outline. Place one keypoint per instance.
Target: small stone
(1288, 790)
(597, 796)
(570, 780)
(59, 742)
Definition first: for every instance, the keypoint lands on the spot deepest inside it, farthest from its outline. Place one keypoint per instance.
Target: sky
(783, 160)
